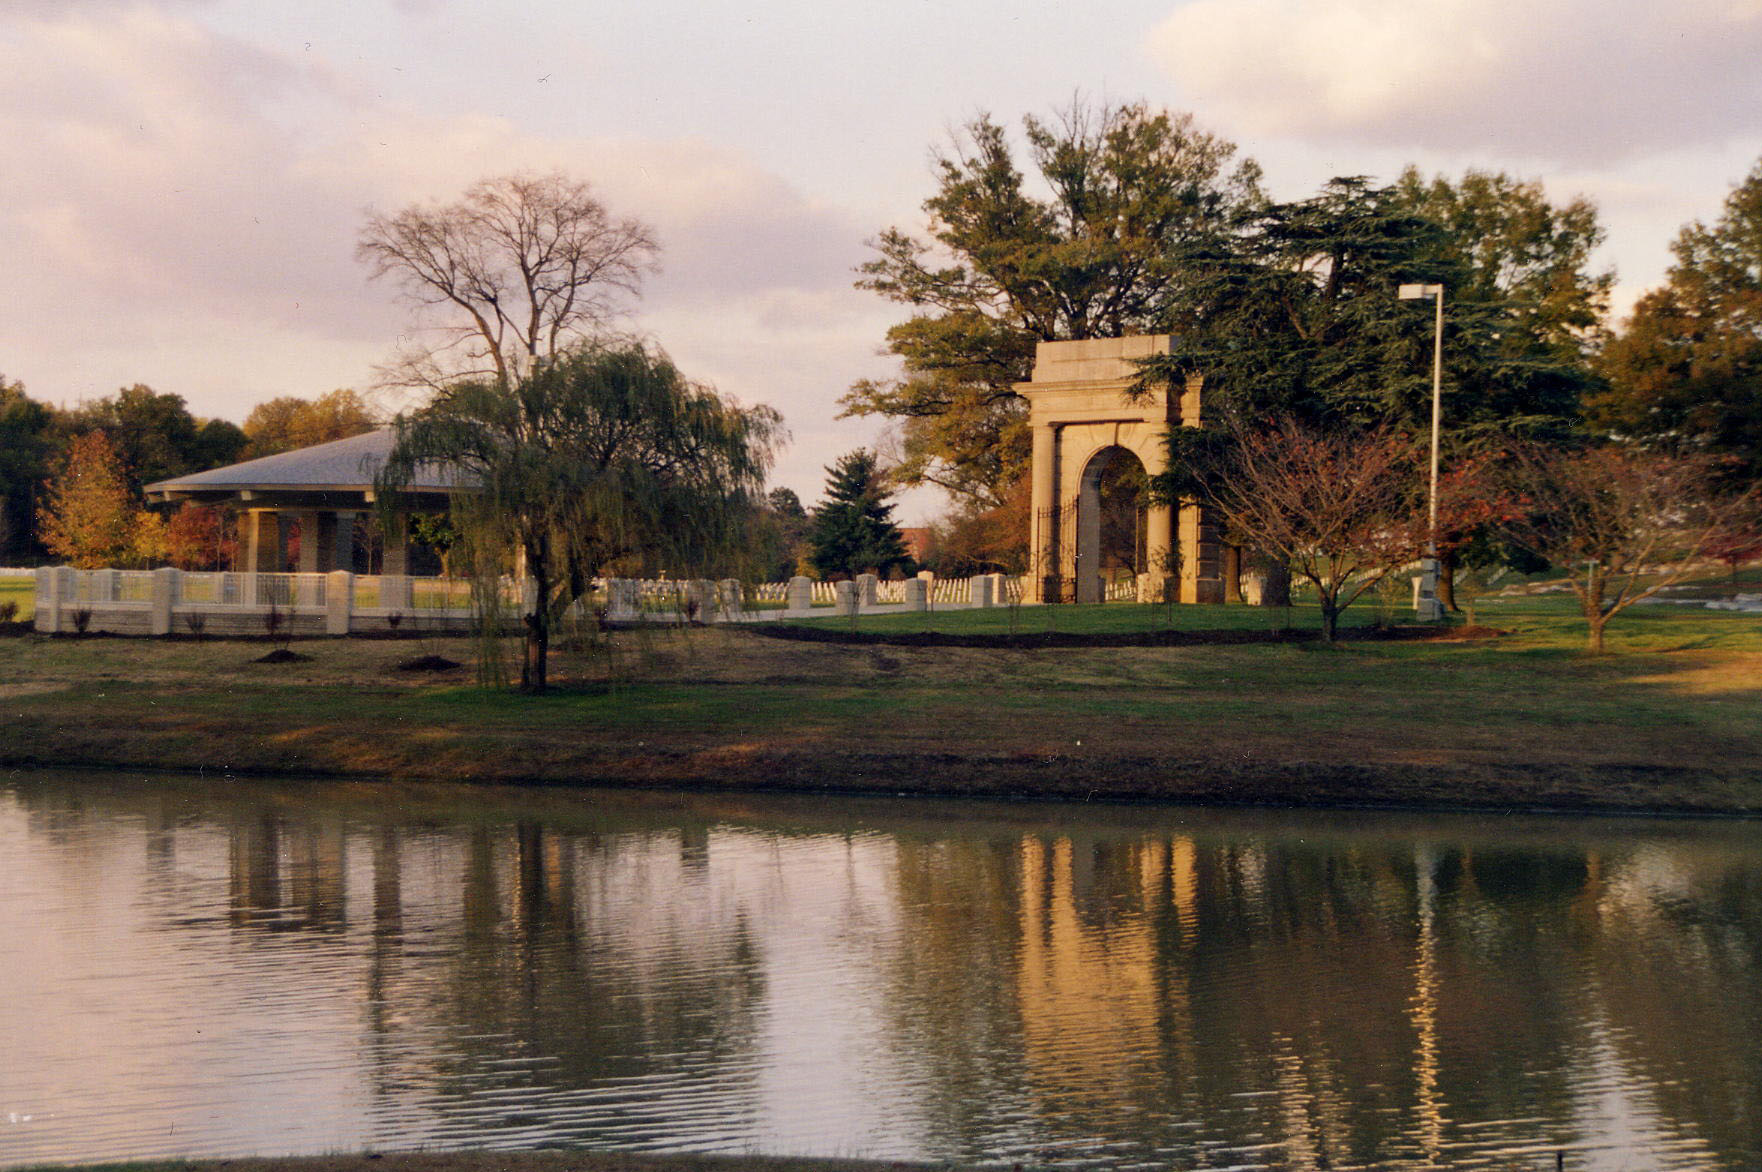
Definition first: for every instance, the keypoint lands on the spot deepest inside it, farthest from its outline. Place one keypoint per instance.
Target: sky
(182, 182)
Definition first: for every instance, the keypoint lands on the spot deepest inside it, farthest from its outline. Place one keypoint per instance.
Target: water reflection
(223, 969)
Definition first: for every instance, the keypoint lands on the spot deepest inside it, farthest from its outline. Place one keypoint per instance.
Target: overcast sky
(182, 181)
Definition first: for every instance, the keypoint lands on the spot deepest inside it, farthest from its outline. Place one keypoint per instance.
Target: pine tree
(854, 532)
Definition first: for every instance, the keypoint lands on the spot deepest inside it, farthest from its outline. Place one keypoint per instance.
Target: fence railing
(66, 598)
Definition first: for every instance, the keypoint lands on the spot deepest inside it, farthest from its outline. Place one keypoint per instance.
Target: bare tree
(1342, 509)
(514, 272)
(1622, 524)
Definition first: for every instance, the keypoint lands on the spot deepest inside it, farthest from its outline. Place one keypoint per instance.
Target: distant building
(917, 542)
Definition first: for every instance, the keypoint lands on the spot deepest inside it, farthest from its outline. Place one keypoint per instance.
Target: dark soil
(429, 663)
(283, 655)
(1037, 639)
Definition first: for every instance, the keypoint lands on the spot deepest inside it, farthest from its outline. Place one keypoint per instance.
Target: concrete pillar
(869, 586)
(1043, 551)
(801, 593)
(999, 590)
(339, 601)
(48, 616)
(67, 594)
(1159, 553)
(307, 520)
(917, 593)
(262, 542)
(1232, 572)
(164, 596)
(849, 598)
(981, 588)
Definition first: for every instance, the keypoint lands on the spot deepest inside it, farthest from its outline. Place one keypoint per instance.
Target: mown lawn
(1524, 718)
(22, 592)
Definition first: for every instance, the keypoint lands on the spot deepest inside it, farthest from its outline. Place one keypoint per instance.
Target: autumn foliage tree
(1344, 509)
(1620, 523)
(89, 516)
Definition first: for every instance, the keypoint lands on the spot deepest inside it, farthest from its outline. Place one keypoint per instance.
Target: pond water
(223, 968)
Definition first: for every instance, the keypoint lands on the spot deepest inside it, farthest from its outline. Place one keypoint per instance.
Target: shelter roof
(341, 467)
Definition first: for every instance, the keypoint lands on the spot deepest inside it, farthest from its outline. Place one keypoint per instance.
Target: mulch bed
(283, 655)
(429, 663)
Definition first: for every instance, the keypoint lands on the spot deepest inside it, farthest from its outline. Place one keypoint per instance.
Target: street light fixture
(1426, 607)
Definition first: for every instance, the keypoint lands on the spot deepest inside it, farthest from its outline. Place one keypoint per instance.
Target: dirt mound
(283, 655)
(429, 663)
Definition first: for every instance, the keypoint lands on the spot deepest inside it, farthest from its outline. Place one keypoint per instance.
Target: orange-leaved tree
(89, 516)
(1622, 524)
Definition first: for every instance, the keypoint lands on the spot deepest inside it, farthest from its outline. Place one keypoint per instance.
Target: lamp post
(1426, 607)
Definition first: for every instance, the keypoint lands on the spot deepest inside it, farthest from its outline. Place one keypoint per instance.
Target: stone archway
(1081, 403)
(1111, 515)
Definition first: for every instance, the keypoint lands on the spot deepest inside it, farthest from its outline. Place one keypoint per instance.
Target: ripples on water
(204, 969)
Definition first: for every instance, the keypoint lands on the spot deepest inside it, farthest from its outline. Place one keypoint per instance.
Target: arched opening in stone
(1111, 523)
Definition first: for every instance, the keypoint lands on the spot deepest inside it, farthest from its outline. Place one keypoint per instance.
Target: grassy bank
(1524, 720)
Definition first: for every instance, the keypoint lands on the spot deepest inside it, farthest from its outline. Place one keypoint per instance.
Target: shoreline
(475, 1160)
(1554, 790)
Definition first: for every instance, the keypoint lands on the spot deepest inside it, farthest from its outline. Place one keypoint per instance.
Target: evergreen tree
(854, 532)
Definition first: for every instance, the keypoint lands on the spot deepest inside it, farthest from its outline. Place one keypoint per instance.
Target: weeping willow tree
(606, 452)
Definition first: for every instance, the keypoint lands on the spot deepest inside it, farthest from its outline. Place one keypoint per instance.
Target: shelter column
(1043, 551)
(262, 542)
(307, 520)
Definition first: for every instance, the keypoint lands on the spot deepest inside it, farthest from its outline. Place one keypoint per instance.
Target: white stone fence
(169, 601)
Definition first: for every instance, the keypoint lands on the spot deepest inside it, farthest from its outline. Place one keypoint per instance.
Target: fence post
(999, 590)
(849, 597)
(801, 594)
(164, 595)
(48, 616)
(980, 587)
(339, 602)
(916, 594)
(869, 587)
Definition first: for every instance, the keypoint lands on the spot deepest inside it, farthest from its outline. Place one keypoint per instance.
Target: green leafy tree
(89, 515)
(1294, 316)
(26, 449)
(1687, 369)
(153, 432)
(287, 423)
(1093, 246)
(605, 453)
(854, 531)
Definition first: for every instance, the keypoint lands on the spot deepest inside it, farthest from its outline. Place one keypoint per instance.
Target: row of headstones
(707, 600)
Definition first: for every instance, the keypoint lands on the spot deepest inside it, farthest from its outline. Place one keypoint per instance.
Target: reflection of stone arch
(1080, 406)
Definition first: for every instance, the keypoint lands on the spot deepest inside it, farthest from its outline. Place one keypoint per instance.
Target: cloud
(180, 208)
(1566, 80)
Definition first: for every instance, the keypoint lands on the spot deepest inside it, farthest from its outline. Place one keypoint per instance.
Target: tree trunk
(1330, 618)
(1447, 582)
(538, 637)
(1277, 591)
(1232, 573)
(1596, 639)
